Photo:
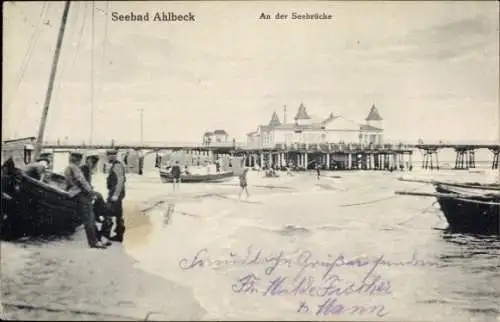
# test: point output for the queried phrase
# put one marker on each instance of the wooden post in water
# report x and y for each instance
(494, 164)
(41, 129)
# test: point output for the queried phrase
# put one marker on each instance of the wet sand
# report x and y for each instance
(64, 279)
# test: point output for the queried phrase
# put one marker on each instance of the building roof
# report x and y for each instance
(221, 132)
(373, 115)
(208, 133)
(30, 138)
(302, 113)
(317, 123)
(275, 120)
(366, 127)
(295, 127)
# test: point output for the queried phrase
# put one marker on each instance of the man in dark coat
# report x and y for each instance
(79, 188)
(99, 205)
(116, 193)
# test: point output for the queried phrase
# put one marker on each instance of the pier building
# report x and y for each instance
(307, 129)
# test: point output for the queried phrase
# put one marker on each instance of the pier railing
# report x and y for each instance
(143, 145)
(340, 147)
(300, 146)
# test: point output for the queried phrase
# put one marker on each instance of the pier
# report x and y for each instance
(329, 156)
(302, 156)
(465, 154)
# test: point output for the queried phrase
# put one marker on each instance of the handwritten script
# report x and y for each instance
(318, 277)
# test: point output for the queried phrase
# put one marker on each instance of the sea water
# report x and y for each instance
(274, 255)
(446, 276)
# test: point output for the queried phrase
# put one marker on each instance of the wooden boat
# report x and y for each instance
(31, 207)
(473, 213)
(467, 185)
(468, 207)
(166, 177)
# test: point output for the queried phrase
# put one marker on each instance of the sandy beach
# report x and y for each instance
(152, 273)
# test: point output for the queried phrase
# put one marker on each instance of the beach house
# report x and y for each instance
(216, 137)
(306, 129)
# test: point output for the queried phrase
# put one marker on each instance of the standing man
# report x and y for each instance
(89, 165)
(79, 188)
(98, 204)
(141, 164)
(116, 193)
(176, 174)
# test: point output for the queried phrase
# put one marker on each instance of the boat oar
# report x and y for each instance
(416, 180)
(462, 197)
(429, 194)
(494, 187)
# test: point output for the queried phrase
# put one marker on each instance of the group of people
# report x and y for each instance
(91, 205)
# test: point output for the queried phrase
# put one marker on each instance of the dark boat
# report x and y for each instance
(468, 185)
(470, 212)
(31, 208)
(471, 185)
(166, 177)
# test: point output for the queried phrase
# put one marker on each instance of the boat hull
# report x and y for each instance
(195, 178)
(31, 208)
(472, 185)
(474, 214)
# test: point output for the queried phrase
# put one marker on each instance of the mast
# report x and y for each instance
(41, 129)
(141, 111)
(91, 141)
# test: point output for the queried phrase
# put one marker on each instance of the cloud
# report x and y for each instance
(468, 38)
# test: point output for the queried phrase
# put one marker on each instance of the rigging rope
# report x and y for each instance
(372, 201)
(82, 29)
(28, 55)
(105, 33)
(422, 211)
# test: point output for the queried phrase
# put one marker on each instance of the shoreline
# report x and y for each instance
(138, 278)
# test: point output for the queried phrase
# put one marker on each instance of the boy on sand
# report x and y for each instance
(176, 174)
(318, 170)
(243, 183)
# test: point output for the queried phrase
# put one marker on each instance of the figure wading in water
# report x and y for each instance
(244, 184)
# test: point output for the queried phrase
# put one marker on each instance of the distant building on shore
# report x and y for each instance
(215, 137)
(19, 149)
(310, 130)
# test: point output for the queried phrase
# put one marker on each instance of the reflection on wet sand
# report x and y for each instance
(138, 225)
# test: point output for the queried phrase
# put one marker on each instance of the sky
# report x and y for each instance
(431, 68)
